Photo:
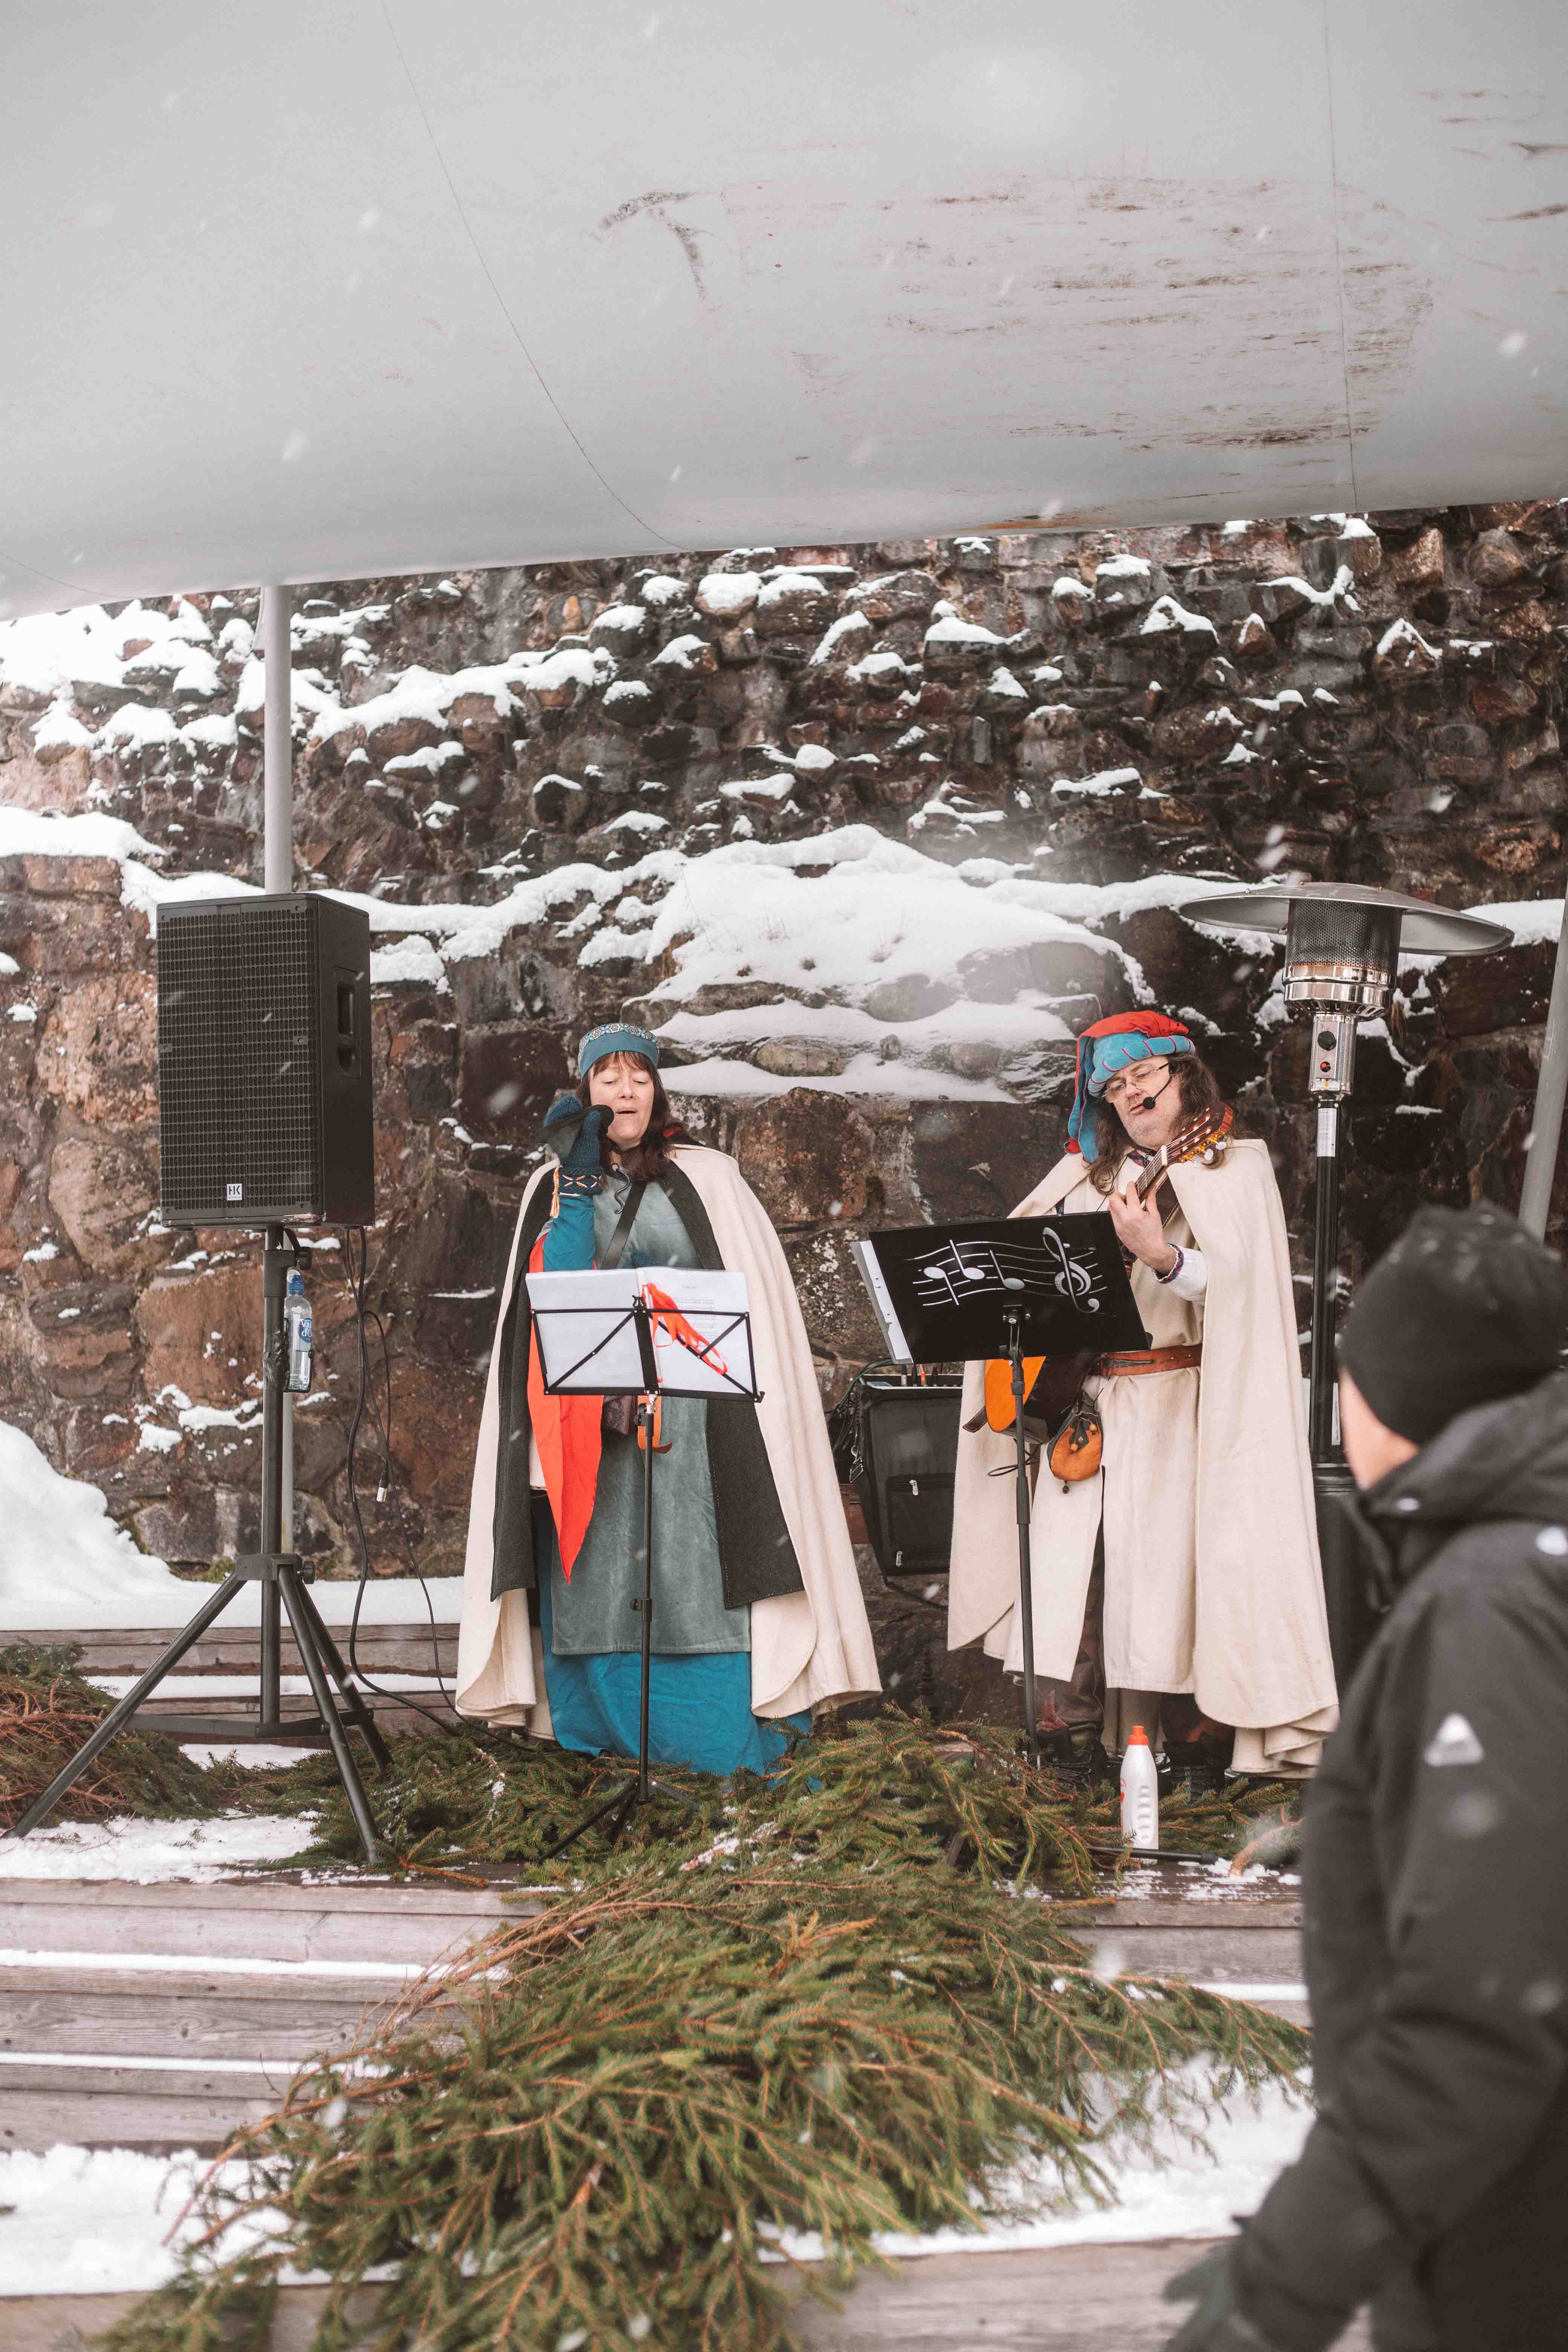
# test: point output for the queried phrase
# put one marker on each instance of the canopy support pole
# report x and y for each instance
(1551, 1090)
(278, 757)
(278, 875)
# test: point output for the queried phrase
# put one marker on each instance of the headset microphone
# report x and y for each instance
(1150, 1100)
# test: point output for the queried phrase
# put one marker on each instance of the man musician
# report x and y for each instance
(1178, 1587)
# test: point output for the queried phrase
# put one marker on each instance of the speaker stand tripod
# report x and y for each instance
(285, 1580)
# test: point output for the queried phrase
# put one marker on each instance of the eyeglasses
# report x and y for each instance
(1134, 1080)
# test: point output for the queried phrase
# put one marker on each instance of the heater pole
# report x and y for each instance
(1551, 1090)
(1325, 1287)
(1330, 1076)
(1351, 1621)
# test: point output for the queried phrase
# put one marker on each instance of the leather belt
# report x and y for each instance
(1148, 1360)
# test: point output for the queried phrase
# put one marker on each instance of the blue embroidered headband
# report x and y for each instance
(616, 1038)
(1103, 1050)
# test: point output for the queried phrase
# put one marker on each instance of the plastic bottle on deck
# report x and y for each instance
(1140, 1794)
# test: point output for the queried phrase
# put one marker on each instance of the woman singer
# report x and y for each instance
(757, 1611)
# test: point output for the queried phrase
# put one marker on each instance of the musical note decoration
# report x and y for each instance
(973, 1270)
(1076, 1280)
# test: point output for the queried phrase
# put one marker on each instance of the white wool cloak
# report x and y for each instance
(807, 1647)
(1259, 1655)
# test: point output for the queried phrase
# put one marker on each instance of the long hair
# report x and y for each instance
(649, 1158)
(1200, 1092)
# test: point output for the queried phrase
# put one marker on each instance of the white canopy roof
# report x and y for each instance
(314, 290)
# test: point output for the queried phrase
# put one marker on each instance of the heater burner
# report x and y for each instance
(1343, 956)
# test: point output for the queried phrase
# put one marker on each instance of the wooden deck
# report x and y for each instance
(1069, 2299)
(116, 1656)
(160, 2017)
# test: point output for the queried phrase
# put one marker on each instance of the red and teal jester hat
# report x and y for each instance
(1113, 1044)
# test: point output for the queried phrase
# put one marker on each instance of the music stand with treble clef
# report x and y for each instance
(1047, 1286)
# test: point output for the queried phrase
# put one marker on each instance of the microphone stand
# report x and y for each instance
(1023, 1502)
(644, 1788)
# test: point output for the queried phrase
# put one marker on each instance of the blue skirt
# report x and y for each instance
(700, 1708)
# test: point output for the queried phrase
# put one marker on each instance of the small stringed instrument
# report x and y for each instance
(1051, 1383)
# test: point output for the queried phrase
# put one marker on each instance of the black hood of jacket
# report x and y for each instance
(1508, 1460)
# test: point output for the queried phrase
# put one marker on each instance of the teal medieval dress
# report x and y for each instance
(700, 1689)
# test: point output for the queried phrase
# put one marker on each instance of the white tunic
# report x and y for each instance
(1212, 1583)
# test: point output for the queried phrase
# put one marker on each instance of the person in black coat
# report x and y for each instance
(1434, 2183)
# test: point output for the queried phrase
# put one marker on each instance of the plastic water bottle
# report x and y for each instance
(1140, 1794)
(300, 1331)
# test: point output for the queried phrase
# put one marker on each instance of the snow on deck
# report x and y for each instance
(1169, 2189)
(130, 1852)
(83, 2221)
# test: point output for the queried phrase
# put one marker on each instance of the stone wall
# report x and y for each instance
(1376, 700)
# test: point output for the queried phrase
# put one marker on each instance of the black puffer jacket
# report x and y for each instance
(1436, 1903)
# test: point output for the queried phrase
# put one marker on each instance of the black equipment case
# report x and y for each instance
(895, 1440)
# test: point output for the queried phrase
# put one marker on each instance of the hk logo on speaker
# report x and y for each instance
(234, 1192)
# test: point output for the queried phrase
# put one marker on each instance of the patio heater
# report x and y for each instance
(1342, 946)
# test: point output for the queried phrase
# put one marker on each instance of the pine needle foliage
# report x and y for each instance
(890, 1783)
(841, 2009)
(46, 1711)
(893, 1781)
(836, 2002)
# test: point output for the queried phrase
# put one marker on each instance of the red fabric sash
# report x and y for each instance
(568, 1432)
(667, 1319)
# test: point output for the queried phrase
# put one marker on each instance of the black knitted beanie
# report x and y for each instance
(1465, 1307)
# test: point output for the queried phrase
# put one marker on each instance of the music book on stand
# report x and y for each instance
(941, 1292)
(681, 1330)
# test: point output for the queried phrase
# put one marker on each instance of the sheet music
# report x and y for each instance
(955, 1291)
(963, 1272)
(582, 1328)
(588, 1343)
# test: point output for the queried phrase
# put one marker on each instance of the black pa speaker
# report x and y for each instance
(900, 1453)
(264, 1081)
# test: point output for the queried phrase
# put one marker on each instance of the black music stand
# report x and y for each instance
(1045, 1286)
(285, 1581)
(605, 1335)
